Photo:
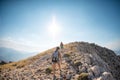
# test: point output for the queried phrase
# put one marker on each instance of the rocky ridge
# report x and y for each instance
(98, 63)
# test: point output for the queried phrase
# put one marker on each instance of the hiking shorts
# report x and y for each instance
(55, 62)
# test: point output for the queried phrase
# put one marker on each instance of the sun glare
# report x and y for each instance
(54, 28)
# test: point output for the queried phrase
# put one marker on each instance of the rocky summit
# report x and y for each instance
(80, 61)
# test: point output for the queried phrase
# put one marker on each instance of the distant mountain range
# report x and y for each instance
(8, 54)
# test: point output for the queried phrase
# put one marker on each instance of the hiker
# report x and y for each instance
(61, 45)
(56, 59)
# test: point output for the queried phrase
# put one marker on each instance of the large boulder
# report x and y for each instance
(96, 70)
(107, 76)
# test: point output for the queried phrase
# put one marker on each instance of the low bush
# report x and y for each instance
(48, 70)
(66, 55)
(83, 76)
(77, 63)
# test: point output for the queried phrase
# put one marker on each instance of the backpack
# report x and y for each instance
(55, 57)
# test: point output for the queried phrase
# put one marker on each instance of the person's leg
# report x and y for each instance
(59, 65)
(53, 67)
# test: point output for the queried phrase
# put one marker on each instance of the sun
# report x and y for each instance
(54, 28)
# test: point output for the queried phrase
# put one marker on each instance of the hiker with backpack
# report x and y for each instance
(61, 48)
(61, 45)
(56, 59)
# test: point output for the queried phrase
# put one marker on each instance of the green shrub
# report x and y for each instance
(77, 63)
(48, 70)
(14, 64)
(66, 55)
(83, 76)
(20, 66)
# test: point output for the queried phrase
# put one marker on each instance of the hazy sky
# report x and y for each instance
(37, 25)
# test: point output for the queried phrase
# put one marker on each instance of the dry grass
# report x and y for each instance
(25, 62)
(14, 65)
(30, 60)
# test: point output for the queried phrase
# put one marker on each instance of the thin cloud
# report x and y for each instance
(20, 45)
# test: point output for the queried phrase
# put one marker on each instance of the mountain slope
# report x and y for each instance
(79, 58)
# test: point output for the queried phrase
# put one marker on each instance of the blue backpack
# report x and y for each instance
(55, 57)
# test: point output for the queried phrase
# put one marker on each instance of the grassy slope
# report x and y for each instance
(25, 62)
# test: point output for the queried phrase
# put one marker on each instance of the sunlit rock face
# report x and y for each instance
(78, 59)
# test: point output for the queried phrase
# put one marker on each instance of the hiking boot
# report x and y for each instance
(54, 77)
(60, 72)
